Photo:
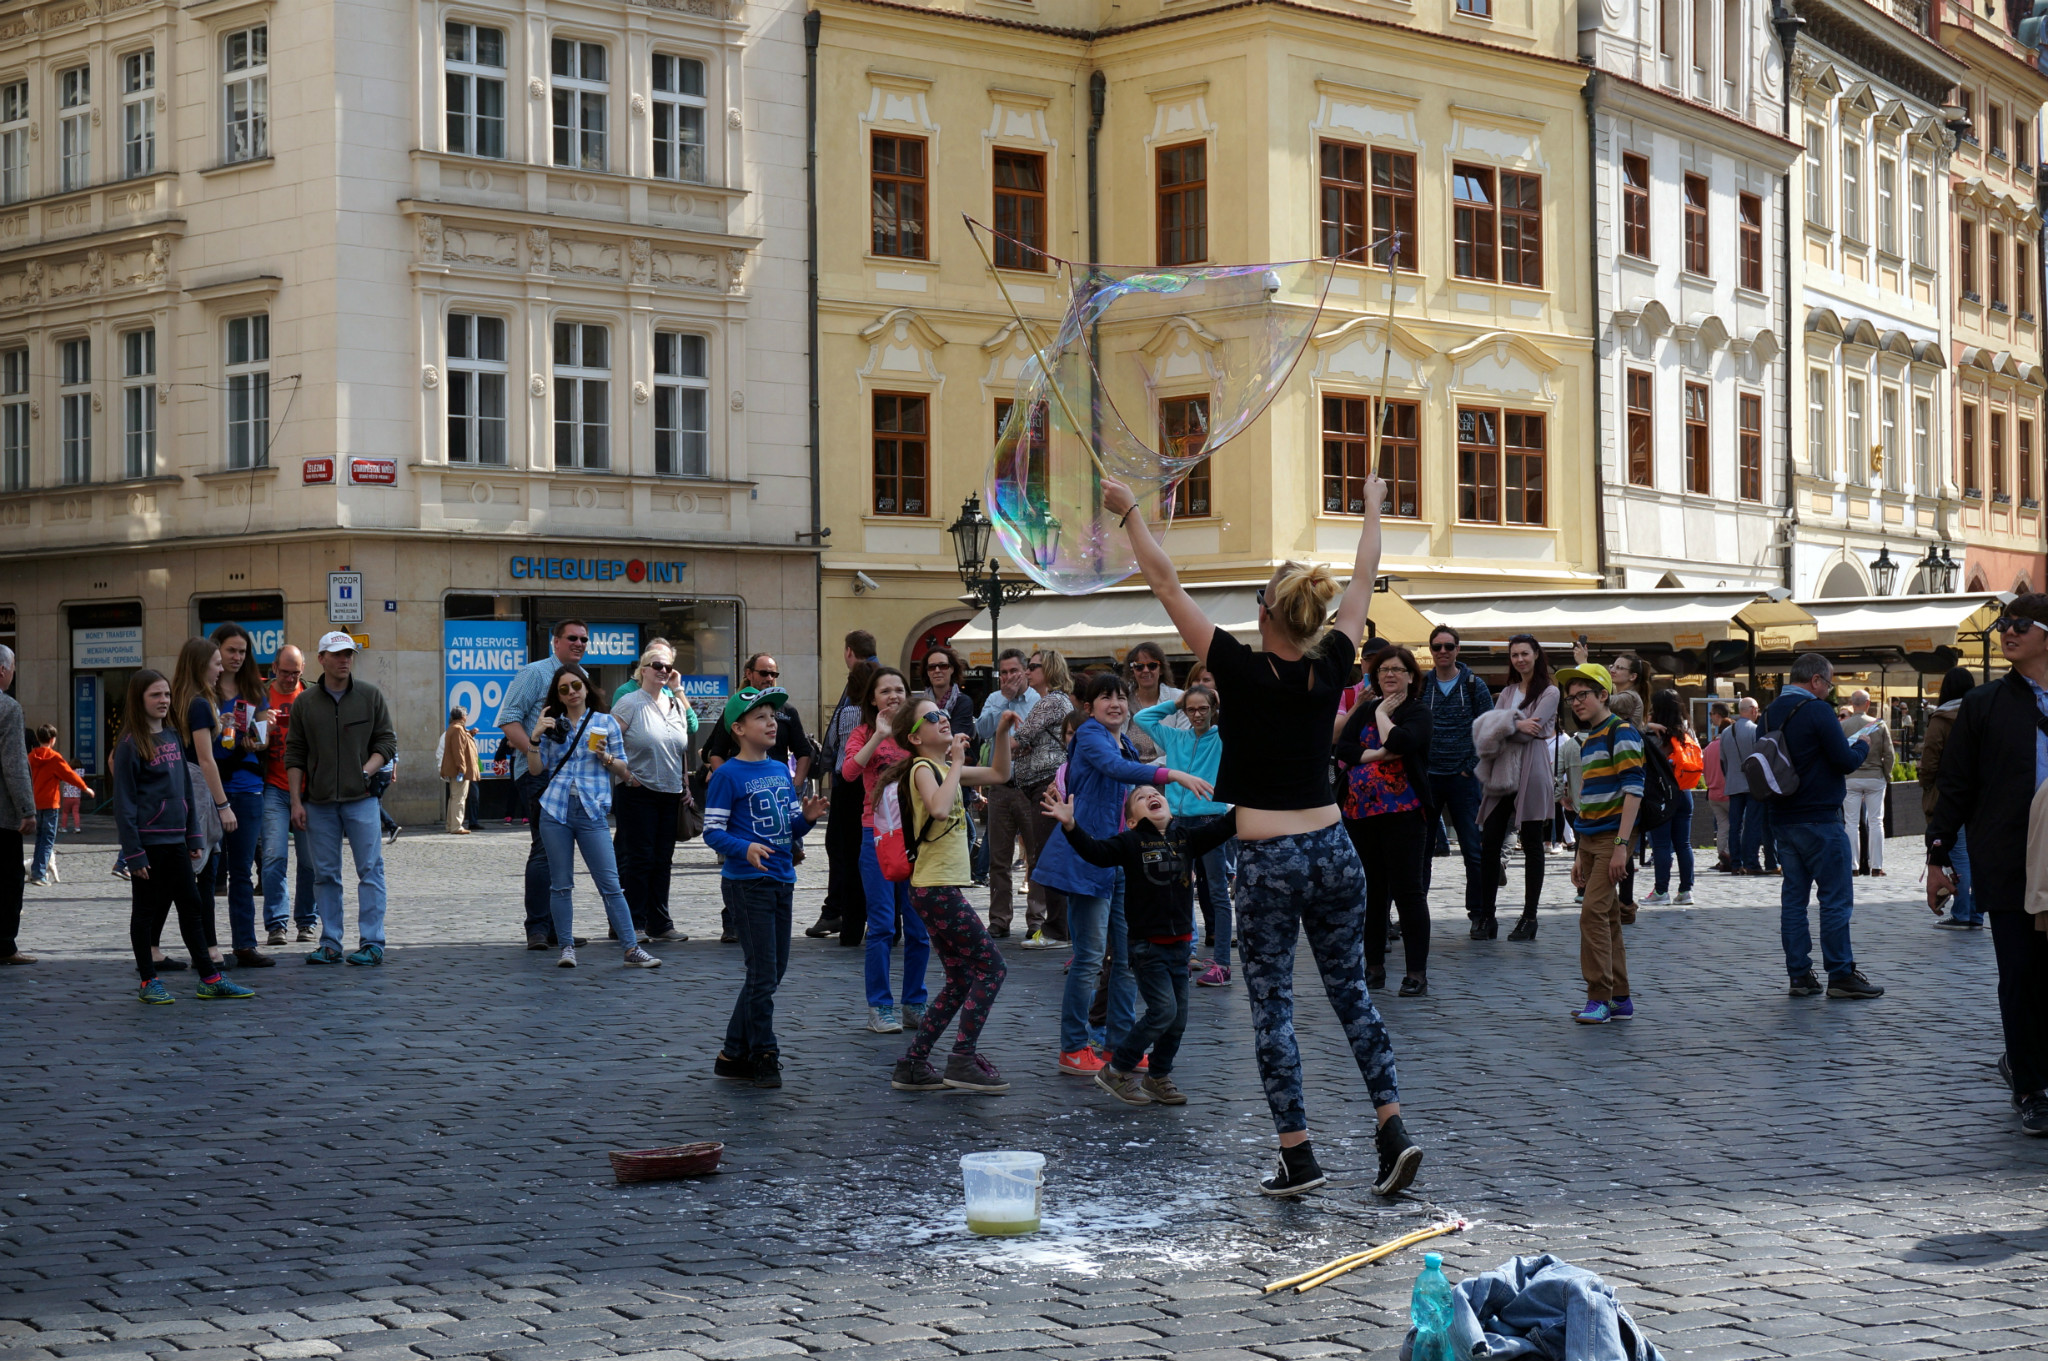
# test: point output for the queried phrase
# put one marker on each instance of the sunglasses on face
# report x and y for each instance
(1036, 666)
(570, 688)
(2013, 624)
(1443, 647)
(660, 666)
(938, 666)
(1144, 666)
(577, 642)
(768, 675)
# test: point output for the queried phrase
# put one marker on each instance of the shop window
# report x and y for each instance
(897, 195)
(580, 87)
(74, 374)
(1183, 431)
(1347, 453)
(1642, 439)
(1696, 196)
(1699, 466)
(138, 404)
(14, 139)
(1020, 209)
(245, 95)
(14, 469)
(902, 453)
(138, 113)
(1183, 203)
(473, 58)
(74, 128)
(1749, 462)
(477, 377)
(248, 391)
(1635, 206)
(679, 105)
(682, 404)
(583, 396)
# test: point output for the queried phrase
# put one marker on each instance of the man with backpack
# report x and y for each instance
(1797, 768)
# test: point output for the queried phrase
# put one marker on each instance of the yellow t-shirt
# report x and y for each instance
(942, 856)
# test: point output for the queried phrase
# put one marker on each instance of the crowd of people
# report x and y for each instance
(1168, 837)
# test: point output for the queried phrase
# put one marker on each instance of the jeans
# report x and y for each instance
(1963, 907)
(150, 902)
(46, 842)
(1750, 829)
(1094, 923)
(280, 843)
(1286, 885)
(235, 860)
(974, 971)
(326, 825)
(587, 831)
(538, 921)
(1391, 850)
(2022, 952)
(1212, 887)
(1817, 855)
(1674, 838)
(889, 907)
(1162, 978)
(1865, 807)
(1458, 798)
(760, 911)
(646, 849)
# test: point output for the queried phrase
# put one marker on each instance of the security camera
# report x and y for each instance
(863, 583)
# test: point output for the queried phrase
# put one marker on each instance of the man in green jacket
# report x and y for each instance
(339, 738)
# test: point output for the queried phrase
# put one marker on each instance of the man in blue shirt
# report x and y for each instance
(1009, 812)
(1454, 698)
(516, 717)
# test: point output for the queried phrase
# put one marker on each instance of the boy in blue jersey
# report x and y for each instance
(752, 818)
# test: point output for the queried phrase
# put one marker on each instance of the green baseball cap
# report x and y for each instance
(750, 699)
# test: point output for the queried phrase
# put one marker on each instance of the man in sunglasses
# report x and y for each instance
(792, 745)
(1454, 698)
(516, 717)
(1995, 760)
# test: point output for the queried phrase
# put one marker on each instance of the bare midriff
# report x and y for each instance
(1264, 824)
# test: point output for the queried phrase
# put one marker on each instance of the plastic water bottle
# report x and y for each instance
(1430, 1309)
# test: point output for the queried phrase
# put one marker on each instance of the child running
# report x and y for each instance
(1158, 854)
(930, 794)
(161, 841)
(753, 819)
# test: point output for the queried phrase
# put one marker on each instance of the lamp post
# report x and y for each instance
(1884, 571)
(1949, 568)
(981, 574)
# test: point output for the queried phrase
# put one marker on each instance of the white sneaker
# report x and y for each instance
(568, 959)
(1656, 900)
(884, 1021)
(1682, 900)
(637, 958)
(55, 877)
(1037, 941)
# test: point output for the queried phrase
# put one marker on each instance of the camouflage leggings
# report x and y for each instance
(1311, 882)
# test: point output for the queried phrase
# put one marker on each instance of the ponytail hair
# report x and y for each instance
(1298, 601)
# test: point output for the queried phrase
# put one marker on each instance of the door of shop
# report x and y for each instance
(106, 649)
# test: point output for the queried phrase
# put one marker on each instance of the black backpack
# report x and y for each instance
(1660, 789)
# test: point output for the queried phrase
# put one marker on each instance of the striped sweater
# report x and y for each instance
(1611, 768)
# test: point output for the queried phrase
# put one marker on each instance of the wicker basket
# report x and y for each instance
(666, 1164)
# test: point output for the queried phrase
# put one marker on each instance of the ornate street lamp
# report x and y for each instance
(1930, 569)
(1884, 571)
(980, 573)
(1949, 568)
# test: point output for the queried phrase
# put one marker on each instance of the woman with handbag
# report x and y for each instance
(657, 727)
(580, 751)
(1382, 752)
(1520, 788)
(870, 749)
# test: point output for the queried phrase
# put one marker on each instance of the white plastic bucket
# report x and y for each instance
(1003, 1191)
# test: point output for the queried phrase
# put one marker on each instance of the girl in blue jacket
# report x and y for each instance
(1198, 749)
(1102, 768)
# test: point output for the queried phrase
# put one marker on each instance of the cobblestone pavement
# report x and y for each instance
(410, 1162)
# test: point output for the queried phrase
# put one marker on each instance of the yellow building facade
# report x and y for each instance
(1223, 135)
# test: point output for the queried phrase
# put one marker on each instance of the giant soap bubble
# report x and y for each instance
(1151, 371)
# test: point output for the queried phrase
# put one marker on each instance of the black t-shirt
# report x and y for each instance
(1276, 719)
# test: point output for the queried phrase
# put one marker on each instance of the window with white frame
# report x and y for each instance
(1854, 450)
(1819, 446)
(682, 404)
(13, 141)
(13, 419)
(583, 395)
(1888, 437)
(1852, 191)
(1923, 246)
(1887, 205)
(74, 419)
(138, 113)
(474, 61)
(1923, 445)
(476, 389)
(678, 118)
(74, 128)
(248, 375)
(138, 404)
(1817, 174)
(245, 95)
(581, 93)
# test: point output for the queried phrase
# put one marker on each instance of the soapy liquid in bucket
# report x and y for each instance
(1000, 1228)
(1002, 1192)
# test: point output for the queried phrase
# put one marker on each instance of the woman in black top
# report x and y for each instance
(1297, 870)
(1383, 758)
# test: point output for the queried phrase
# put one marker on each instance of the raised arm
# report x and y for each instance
(1196, 628)
(1353, 605)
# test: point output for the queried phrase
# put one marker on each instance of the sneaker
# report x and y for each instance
(1037, 941)
(1162, 1090)
(155, 993)
(1411, 986)
(172, 964)
(637, 958)
(1806, 985)
(307, 933)
(220, 990)
(884, 1021)
(1579, 897)
(121, 872)
(973, 1073)
(673, 936)
(1218, 976)
(1594, 1013)
(1951, 923)
(1128, 1088)
(326, 954)
(768, 1069)
(1400, 1156)
(276, 937)
(1297, 1173)
(2034, 1115)
(824, 926)
(1084, 1062)
(916, 1075)
(1656, 900)
(1622, 1009)
(913, 1015)
(568, 958)
(538, 942)
(1853, 986)
(1682, 898)
(728, 1067)
(39, 882)
(371, 955)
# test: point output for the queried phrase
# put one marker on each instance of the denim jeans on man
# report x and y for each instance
(761, 916)
(237, 857)
(1212, 889)
(1458, 798)
(527, 789)
(1749, 831)
(1674, 838)
(46, 842)
(1963, 907)
(1161, 973)
(1816, 854)
(1094, 922)
(326, 826)
(280, 844)
(588, 832)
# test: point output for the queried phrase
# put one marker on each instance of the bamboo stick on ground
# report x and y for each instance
(1337, 1266)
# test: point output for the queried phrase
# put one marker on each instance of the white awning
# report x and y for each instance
(1912, 623)
(1663, 619)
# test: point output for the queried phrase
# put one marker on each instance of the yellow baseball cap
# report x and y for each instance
(1592, 673)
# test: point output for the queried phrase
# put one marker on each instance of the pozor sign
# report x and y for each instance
(635, 570)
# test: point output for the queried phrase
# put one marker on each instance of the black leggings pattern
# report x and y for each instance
(1392, 847)
(1310, 882)
(150, 901)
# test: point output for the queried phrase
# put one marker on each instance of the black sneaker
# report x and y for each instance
(768, 1069)
(1806, 985)
(725, 1067)
(1854, 986)
(538, 943)
(2034, 1115)
(1400, 1156)
(823, 927)
(1297, 1173)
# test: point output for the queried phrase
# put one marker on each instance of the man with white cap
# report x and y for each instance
(340, 736)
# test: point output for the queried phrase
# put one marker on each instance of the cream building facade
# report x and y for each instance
(1227, 135)
(483, 304)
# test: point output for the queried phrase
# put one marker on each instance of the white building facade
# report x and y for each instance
(499, 307)
(1687, 108)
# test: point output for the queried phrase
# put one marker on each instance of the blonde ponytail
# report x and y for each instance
(1298, 599)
